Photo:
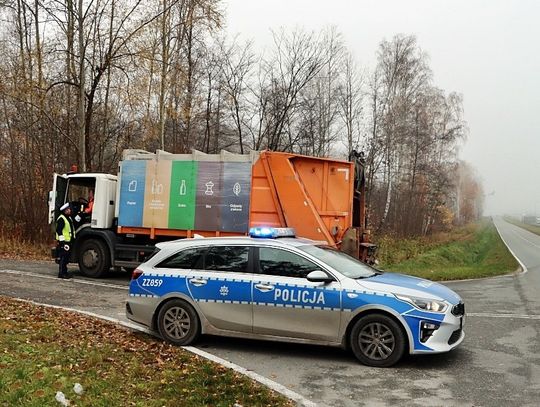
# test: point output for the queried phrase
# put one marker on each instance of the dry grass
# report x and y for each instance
(11, 248)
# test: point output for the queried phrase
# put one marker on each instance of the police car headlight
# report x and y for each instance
(424, 304)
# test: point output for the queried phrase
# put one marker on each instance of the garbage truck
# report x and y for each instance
(162, 196)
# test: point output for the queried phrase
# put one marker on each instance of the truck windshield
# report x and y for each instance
(345, 264)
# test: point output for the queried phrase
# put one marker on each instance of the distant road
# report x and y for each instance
(524, 297)
(525, 244)
(497, 365)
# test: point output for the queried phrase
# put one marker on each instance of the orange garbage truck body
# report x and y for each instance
(163, 196)
(312, 195)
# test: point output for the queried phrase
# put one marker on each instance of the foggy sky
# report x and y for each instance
(489, 51)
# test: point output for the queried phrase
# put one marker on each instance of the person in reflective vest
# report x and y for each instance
(65, 235)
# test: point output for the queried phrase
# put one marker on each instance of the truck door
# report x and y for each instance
(57, 197)
(104, 203)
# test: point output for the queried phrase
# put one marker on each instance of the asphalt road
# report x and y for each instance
(498, 364)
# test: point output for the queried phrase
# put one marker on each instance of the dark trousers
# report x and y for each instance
(63, 256)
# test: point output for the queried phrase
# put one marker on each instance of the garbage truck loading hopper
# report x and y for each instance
(312, 195)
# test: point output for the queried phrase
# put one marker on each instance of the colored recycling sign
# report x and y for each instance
(188, 195)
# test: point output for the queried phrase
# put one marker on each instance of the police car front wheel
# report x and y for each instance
(178, 323)
(377, 340)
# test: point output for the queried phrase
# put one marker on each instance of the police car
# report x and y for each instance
(291, 289)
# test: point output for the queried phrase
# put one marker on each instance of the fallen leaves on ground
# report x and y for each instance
(45, 350)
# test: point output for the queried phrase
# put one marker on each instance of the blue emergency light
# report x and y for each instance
(271, 233)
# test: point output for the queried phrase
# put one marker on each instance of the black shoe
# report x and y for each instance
(66, 276)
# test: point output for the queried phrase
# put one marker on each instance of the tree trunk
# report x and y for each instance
(82, 83)
(164, 68)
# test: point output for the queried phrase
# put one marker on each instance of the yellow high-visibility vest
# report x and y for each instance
(68, 232)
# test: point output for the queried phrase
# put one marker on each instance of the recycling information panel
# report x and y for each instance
(187, 195)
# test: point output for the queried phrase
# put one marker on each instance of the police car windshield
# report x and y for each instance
(345, 264)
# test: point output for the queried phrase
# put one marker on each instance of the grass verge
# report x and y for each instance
(472, 251)
(44, 350)
(14, 248)
(531, 228)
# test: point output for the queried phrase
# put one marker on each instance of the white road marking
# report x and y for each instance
(279, 388)
(510, 250)
(73, 280)
(511, 316)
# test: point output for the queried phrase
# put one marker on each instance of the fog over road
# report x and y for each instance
(498, 364)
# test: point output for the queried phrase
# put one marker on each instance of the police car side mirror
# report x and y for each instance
(319, 276)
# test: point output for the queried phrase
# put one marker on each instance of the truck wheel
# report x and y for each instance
(94, 258)
(178, 323)
(377, 340)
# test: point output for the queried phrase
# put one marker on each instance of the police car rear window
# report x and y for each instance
(216, 258)
(156, 251)
(227, 258)
(185, 259)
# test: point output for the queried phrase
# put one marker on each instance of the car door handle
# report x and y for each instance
(264, 287)
(198, 282)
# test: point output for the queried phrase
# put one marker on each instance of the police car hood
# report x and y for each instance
(413, 286)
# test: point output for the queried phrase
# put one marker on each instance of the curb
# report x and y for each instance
(278, 388)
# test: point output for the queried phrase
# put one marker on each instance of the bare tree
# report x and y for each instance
(320, 100)
(403, 73)
(297, 59)
(236, 68)
(350, 103)
(81, 80)
(414, 129)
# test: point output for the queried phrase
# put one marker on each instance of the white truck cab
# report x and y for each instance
(97, 247)
(74, 188)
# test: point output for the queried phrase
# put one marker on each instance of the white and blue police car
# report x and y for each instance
(294, 290)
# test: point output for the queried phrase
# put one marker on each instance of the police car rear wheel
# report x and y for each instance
(178, 323)
(377, 340)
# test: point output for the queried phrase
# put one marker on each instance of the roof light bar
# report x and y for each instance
(271, 233)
